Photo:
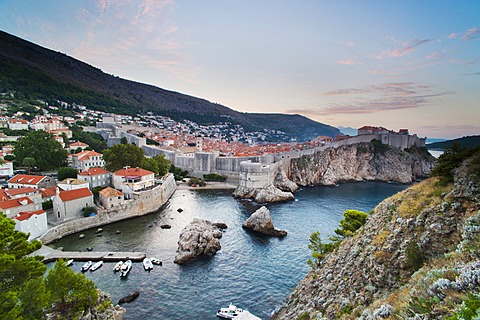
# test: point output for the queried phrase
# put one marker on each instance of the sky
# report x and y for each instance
(397, 64)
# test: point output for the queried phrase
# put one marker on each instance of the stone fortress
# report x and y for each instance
(252, 171)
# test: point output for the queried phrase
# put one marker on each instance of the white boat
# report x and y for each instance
(156, 261)
(232, 312)
(147, 264)
(86, 266)
(126, 267)
(69, 262)
(118, 266)
(96, 265)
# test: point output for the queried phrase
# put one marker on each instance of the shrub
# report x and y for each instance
(196, 182)
(87, 211)
(378, 146)
(414, 256)
(214, 177)
(47, 205)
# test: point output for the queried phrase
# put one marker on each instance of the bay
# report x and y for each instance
(252, 271)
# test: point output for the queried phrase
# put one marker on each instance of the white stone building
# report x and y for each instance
(69, 204)
(110, 198)
(87, 159)
(131, 180)
(96, 177)
(32, 222)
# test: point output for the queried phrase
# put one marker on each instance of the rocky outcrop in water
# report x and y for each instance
(260, 221)
(417, 257)
(200, 237)
(104, 310)
(361, 161)
(269, 194)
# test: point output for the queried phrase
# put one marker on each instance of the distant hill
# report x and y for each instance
(348, 131)
(466, 142)
(34, 72)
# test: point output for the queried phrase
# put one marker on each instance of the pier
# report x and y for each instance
(50, 255)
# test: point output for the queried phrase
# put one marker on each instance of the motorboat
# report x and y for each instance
(69, 262)
(156, 261)
(147, 264)
(86, 266)
(118, 266)
(232, 312)
(96, 265)
(126, 267)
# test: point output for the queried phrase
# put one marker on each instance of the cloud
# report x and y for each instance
(347, 62)
(376, 98)
(471, 34)
(404, 50)
(452, 35)
(472, 74)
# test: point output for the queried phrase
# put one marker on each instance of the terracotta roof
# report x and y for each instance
(75, 194)
(3, 195)
(78, 144)
(86, 155)
(28, 214)
(110, 192)
(12, 203)
(72, 181)
(48, 192)
(134, 172)
(17, 191)
(26, 179)
(93, 172)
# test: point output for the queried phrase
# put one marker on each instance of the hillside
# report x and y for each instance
(466, 142)
(417, 257)
(34, 72)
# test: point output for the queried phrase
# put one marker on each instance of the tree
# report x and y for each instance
(163, 164)
(66, 172)
(352, 221)
(29, 162)
(69, 293)
(121, 155)
(41, 146)
(150, 164)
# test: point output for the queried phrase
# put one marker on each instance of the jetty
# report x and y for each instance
(51, 254)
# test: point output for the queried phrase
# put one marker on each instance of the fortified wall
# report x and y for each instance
(256, 175)
(143, 202)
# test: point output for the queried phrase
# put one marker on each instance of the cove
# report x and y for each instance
(252, 271)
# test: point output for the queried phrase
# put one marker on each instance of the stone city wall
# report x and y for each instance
(143, 203)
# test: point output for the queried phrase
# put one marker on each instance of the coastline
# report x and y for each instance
(211, 185)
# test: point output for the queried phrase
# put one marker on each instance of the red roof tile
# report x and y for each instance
(26, 179)
(17, 191)
(93, 172)
(48, 192)
(75, 194)
(132, 172)
(12, 203)
(28, 214)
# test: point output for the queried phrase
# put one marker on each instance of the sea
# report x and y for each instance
(251, 271)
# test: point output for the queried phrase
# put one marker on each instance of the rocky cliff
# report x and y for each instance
(362, 161)
(417, 257)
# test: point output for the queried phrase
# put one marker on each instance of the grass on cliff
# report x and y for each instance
(425, 194)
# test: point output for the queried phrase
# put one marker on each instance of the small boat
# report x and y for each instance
(96, 265)
(126, 267)
(156, 261)
(147, 264)
(69, 262)
(118, 266)
(86, 266)
(232, 312)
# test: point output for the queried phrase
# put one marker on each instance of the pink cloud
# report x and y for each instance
(406, 49)
(471, 34)
(452, 35)
(347, 62)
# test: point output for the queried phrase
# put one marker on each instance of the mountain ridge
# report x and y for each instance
(72, 80)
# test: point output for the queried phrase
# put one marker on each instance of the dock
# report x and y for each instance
(53, 255)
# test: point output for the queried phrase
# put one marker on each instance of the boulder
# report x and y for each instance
(263, 195)
(283, 183)
(260, 221)
(220, 225)
(200, 237)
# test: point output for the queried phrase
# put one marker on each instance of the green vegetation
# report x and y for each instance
(470, 309)
(352, 221)
(196, 182)
(87, 211)
(178, 173)
(452, 158)
(121, 155)
(379, 147)
(47, 153)
(214, 177)
(414, 256)
(66, 172)
(94, 140)
(47, 205)
(464, 142)
(24, 291)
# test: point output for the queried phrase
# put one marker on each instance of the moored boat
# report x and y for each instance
(147, 264)
(96, 265)
(118, 266)
(86, 266)
(156, 261)
(126, 267)
(232, 312)
(69, 262)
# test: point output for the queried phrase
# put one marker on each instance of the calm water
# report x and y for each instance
(251, 271)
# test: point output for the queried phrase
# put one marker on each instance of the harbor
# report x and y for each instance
(51, 255)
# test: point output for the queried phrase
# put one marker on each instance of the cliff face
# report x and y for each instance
(417, 257)
(362, 161)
